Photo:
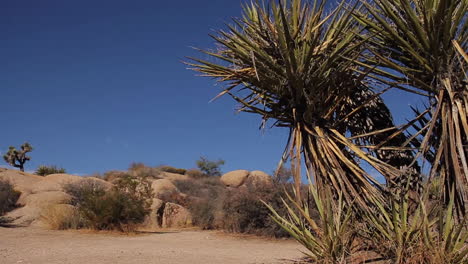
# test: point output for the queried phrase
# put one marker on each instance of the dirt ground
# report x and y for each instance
(34, 245)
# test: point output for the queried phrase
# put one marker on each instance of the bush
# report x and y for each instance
(140, 170)
(173, 170)
(244, 211)
(8, 197)
(239, 210)
(282, 176)
(196, 174)
(210, 168)
(62, 216)
(44, 170)
(121, 208)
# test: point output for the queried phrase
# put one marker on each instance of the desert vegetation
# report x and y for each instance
(210, 167)
(320, 69)
(322, 74)
(238, 210)
(45, 170)
(121, 208)
(17, 158)
(8, 197)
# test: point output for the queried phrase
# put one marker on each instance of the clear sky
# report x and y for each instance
(96, 85)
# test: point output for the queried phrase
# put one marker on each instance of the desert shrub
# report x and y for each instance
(209, 167)
(244, 211)
(110, 176)
(62, 216)
(207, 195)
(238, 210)
(8, 197)
(172, 170)
(282, 175)
(140, 170)
(196, 174)
(121, 208)
(45, 170)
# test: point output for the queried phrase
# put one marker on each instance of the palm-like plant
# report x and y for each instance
(329, 239)
(295, 64)
(412, 47)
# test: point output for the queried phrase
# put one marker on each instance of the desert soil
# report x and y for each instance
(33, 245)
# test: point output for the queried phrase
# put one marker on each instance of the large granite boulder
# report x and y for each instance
(155, 217)
(176, 216)
(235, 178)
(163, 188)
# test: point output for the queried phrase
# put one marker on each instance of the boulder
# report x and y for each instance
(154, 219)
(173, 176)
(21, 181)
(234, 178)
(176, 216)
(46, 199)
(105, 184)
(163, 187)
(258, 179)
(55, 182)
(24, 216)
(34, 204)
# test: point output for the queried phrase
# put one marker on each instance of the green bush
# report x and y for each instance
(8, 197)
(121, 208)
(45, 170)
(209, 167)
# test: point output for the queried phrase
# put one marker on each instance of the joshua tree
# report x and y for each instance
(17, 158)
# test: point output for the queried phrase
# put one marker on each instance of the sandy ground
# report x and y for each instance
(35, 245)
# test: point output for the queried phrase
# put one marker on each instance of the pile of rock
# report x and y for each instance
(40, 193)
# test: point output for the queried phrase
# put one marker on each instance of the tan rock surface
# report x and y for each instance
(235, 178)
(154, 219)
(55, 182)
(173, 176)
(46, 199)
(22, 181)
(176, 216)
(163, 187)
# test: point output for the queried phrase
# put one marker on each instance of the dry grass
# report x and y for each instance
(61, 217)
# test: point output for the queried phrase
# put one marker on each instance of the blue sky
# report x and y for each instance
(96, 85)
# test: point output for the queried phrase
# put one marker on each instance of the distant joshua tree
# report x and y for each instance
(17, 158)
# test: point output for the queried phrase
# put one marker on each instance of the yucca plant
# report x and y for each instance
(330, 238)
(411, 46)
(446, 238)
(393, 231)
(296, 64)
(430, 234)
